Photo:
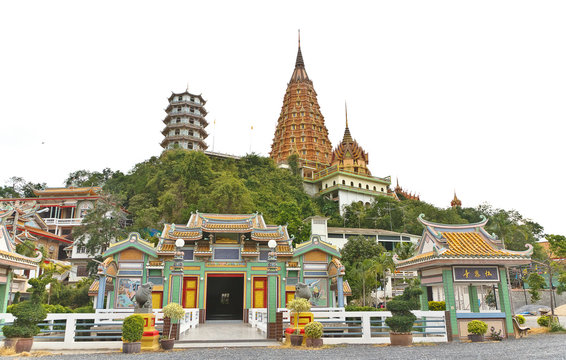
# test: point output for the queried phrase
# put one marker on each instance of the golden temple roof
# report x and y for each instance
(469, 244)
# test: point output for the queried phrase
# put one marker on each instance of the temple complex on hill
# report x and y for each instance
(185, 122)
(402, 194)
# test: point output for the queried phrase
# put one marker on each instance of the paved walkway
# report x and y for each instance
(221, 330)
(532, 347)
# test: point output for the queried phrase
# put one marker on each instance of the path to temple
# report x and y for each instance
(532, 347)
(221, 333)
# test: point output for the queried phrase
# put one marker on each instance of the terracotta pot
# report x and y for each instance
(475, 337)
(314, 342)
(10, 342)
(24, 344)
(296, 340)
(401, 339)
(131, 348)
(167, 344)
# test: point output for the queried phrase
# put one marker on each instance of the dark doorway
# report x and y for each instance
(225, 297)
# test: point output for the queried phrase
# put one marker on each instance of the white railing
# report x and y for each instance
(63, 222)
(89, 331)
(363, 327)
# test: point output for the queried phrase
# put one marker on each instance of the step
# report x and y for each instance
(182, 344)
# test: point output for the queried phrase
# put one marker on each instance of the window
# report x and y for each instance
(263, 255)
(304, 152)
(292, 127)
(191, 133)
(374, 189)
(360, 185)
(302, 114)
(302, 139)
(82, 270)
(192, 121)
(294, 114)
(326, 186)
(178, 120)
(323, 142)
(292, 140)
(180, 98)
(298, 91)
(382, 189)
(226, 254)
(367, 187)
(190, 146)
(334, 183)
(192, 99)
(179, 109)
(81, 249)
(302, 125)
(351, 183)
(192, 109)
(314, 139)
(343, 182)
(177, 132)
(188, 254)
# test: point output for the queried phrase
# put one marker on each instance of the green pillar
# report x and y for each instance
(449, 299)
(424, 298)
(5, 292)
(473, 293)
(504, 300)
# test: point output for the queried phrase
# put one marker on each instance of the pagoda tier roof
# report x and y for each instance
(199, 223)
(186, 93)
(8, 255)
(195, 127)
(69, 191)
(316, 243)
(452, 244)
(134, 240)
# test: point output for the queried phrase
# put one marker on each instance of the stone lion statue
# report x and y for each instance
(143, 298)
(302, 291)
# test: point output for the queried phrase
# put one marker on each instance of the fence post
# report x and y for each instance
(366, 326)
(70, 328)
(448, 326)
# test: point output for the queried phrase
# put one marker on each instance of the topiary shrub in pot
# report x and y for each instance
(313, 332)
(298, 306)
(132, 333)
(174, 312)
(402, 319)
(476, 330)
(28, 314)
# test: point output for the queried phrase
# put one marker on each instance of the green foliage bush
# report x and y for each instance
(314, 330)
(56, 309)
(520, 319)
(437, 305)
(28, 314)
(173, 311)
(477, 327)
(556, 327)
(543, 320)
(299, 305)
(403, 319)
(132, 328)
(85, 309)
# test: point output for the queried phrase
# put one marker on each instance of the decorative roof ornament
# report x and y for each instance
(455, 201)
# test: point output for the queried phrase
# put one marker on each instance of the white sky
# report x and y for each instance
(442, 94)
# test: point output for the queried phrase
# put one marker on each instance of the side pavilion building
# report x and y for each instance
(218, 263)
(466, 267)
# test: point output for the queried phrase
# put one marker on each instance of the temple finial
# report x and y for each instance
(299, 38)
(346, 109)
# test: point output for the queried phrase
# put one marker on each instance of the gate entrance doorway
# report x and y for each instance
(225, 297)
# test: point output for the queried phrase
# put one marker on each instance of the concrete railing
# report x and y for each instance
(63, 222)
(363, 327)
(101, 330)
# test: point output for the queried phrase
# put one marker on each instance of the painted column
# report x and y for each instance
(5, 292)
(424, 298)
(177, 279)
(473, 294)
(504, 300)
(101, 291)
(450, 299)
(272, 295)
(340, 290)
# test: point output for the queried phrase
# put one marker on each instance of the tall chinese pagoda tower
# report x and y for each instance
(300, 128)
(185, 122)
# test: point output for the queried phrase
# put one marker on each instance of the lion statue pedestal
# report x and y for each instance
(144, 308)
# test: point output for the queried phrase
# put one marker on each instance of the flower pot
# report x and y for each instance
(24, 344)
(401, 339)
(475, 337)
(314, 342)
(167, 344)
(10, 342)
(296, 340)
(131, 348)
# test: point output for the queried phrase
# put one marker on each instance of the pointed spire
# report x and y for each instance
(299, 74)
(299, 62)
(347, 136)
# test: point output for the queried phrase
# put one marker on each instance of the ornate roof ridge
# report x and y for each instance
(481, 223)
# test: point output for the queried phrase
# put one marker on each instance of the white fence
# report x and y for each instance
(101, 330)
(362, 327)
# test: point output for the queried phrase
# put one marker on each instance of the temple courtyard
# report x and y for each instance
(532, 347)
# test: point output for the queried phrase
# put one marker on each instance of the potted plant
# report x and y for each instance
(297, 306)
(476, 329)
(174, 312)
(402, 319)
(313, 332)
(20, 335)
(132, 333)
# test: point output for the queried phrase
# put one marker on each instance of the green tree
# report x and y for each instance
(557, 245)
(405, 250)
(536, 283)
(101, 226)
(228, 195)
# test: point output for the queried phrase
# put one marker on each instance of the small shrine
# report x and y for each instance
(466, 267)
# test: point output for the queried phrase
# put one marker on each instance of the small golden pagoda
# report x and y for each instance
(300, 128)
(349, 156)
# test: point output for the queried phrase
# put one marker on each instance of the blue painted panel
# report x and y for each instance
(490, 315)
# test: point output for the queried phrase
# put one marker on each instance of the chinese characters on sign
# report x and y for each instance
(475, 273)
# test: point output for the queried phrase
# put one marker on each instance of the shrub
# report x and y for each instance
(298, 305)
(403, 319)
(477, 327)
(543, 320)
(28, 314)
(556, 327)
(85, 309)
(437, 305)
(132, 328)
(173, 311)
(495, 335)
(314, 330)
(520, 319)
(56, 309)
